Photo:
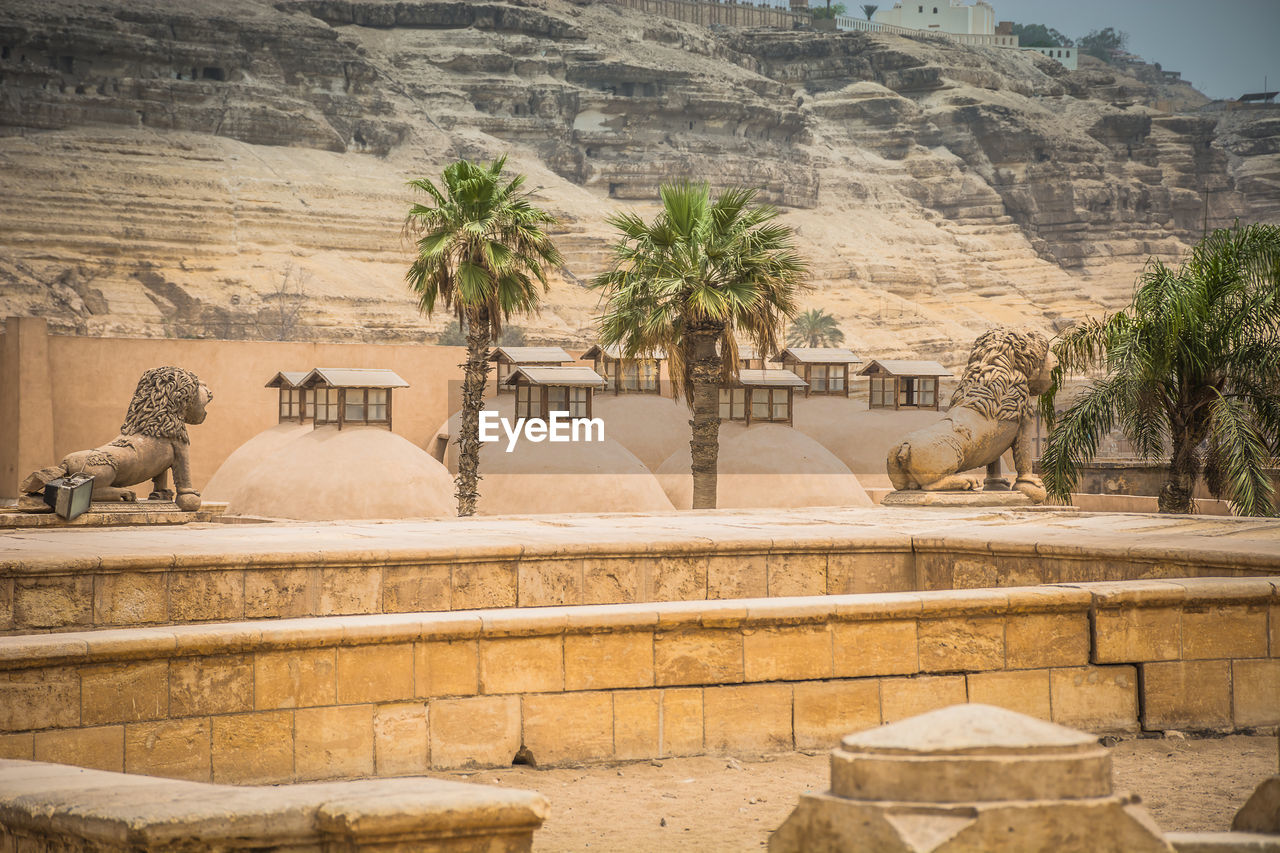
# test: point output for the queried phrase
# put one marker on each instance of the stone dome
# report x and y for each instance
(356, 472)
(767, 465)
(503, 404)
(650, 426)
(859, 437)
(237, 467)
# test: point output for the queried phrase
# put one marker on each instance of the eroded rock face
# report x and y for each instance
(165, 164)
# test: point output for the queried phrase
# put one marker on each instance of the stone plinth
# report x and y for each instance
(116, 514)
(51, 807)
(969, 777)
(919, 497)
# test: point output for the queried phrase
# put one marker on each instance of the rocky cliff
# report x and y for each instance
(238, 169)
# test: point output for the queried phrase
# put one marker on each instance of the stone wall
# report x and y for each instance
(718, 14)
(343, 697)
(257, 572)
(1135, 477)
(70, 393)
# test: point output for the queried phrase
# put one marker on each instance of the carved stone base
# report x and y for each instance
(919, 497)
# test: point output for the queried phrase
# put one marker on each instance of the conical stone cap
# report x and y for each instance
(967, 754)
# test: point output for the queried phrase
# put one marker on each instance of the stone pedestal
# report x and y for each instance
(919, 497)
(964, 778)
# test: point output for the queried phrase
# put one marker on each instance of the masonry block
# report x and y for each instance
(1274, 621)
(1038, 640)
(1095, 698)
(870, 571)
(683, 721)
(800, 573)
(39, 699)
(549, 582)
(333, 743)
(637, 716)
(480, 585)
(98, 748)
(476, 731)
(522, 664)
(124, 693)
(786, 653)
(174, 749)
(737, 576)
(401, 739)
(1186, 695)
(875, 648)
(905, 697)
(281, 593)
(130, 598)
(748, 718)
(600, 661)
(415, 588)
(446, 668)
(826, 711)
(1255, 686)
(1227, 631)
(961, 643)
(681, 578)
(53, 602)
(1025, 691)
(974, 573)
(219, 684)
(253, 749)
(21, 747)
(611, 581)
(206, 596)
(698, 656)
(1132, 634)
(349, 589)
(377, 673)
(560, 727)
(294, 678)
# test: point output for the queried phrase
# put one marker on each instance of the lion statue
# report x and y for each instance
(152, 440)
(992, 410)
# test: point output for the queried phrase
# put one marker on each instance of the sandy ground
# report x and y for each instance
(729, 804)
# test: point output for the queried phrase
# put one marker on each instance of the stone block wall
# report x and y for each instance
(342, 697)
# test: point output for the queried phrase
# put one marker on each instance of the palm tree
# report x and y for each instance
(482, 251)
(1192, 370)
(815, 328)
(684, 284)
(869, 9)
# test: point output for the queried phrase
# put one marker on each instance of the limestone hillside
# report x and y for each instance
(237, 168)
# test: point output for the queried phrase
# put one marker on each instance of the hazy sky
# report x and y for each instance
(1222, 47)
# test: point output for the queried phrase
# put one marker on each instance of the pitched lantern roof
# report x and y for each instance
(530, 355)
(770, 379)
(614, 351)
(287, 379)
(353, 377)
(818, 355)
(898, 367)
(577, 376)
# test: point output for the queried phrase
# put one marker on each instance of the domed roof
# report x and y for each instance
(356, 472)
(583, 476)
(859, 437)
(650, 426)
(767, 465)
(247, 457)
(503, 404)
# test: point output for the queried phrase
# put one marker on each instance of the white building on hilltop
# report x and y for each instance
(947, 16)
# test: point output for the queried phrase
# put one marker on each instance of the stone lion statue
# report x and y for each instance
(992, 410)
(152, 440)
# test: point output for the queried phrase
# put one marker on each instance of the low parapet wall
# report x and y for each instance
(59, 581)
(49, 808)
(341, 697)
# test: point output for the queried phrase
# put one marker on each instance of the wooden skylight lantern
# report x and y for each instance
(507, 359)
(903, 384)
(826, 369)
(542, 390)
(352, 395)
(627, 375)
(760, 396)
(296, 403)
(749, 359)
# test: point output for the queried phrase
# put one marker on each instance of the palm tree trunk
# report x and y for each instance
(704, 443)
(1179, 488)
(475, 375)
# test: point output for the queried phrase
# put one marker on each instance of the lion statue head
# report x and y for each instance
(1007, 369)
(166, 400)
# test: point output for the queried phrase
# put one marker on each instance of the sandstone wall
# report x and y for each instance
(344, 697)
(718, 14)
(91, 381)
